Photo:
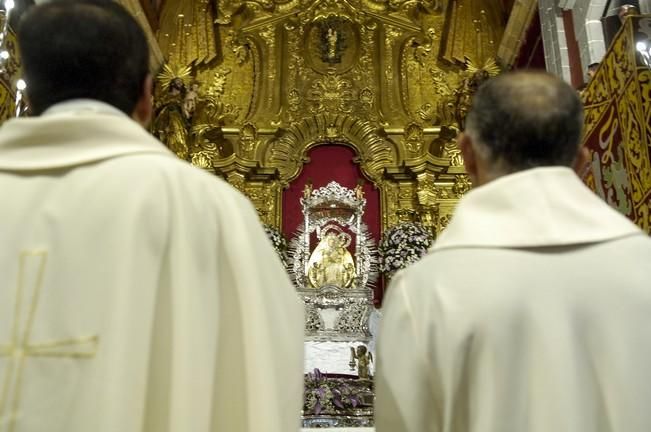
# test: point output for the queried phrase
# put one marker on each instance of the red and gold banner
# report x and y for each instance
(618, 125)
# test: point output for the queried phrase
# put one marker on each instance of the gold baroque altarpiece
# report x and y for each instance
(251, 86)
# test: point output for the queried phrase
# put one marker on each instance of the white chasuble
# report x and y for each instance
(531, 313)
(138, 293)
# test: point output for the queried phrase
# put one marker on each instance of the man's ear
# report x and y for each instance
(469, 157)
(144, 109)
(581, 161)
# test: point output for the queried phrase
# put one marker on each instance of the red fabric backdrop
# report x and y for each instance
(331, 162)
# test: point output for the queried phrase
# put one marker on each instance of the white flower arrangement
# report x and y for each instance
(403, 245)
(278, 242)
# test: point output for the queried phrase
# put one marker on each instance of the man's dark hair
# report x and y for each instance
(90, 49)
(525, 120)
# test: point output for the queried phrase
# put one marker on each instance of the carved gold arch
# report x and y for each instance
(287, 152)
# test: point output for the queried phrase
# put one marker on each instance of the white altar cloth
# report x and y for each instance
(331, 357)
(340, 430)
(334, 357)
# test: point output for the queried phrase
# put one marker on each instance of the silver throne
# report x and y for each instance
(334, 264)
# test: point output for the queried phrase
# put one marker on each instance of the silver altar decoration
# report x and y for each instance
(333, 312)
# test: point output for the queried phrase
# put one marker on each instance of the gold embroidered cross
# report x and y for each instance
(20, 347)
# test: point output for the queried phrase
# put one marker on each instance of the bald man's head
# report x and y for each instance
(523, 120)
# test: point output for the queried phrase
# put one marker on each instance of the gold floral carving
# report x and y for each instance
(331, 94)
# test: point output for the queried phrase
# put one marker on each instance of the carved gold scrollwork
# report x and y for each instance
(426, 190)
(248, 140)
(430, 6)
(423, 46)
(289, 75)
(294, 100)
(367, 98)
(286, 151)
(461, 185)
(413, 138)
(427, 195)
(238, 47)
(332, 94)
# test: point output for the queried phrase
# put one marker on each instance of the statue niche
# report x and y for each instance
(334, 264)
(331, 44)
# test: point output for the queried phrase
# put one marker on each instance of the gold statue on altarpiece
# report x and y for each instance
(171, 122)
(330, 262)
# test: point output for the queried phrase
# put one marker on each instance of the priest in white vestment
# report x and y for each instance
(138, 294)
(532, 312)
